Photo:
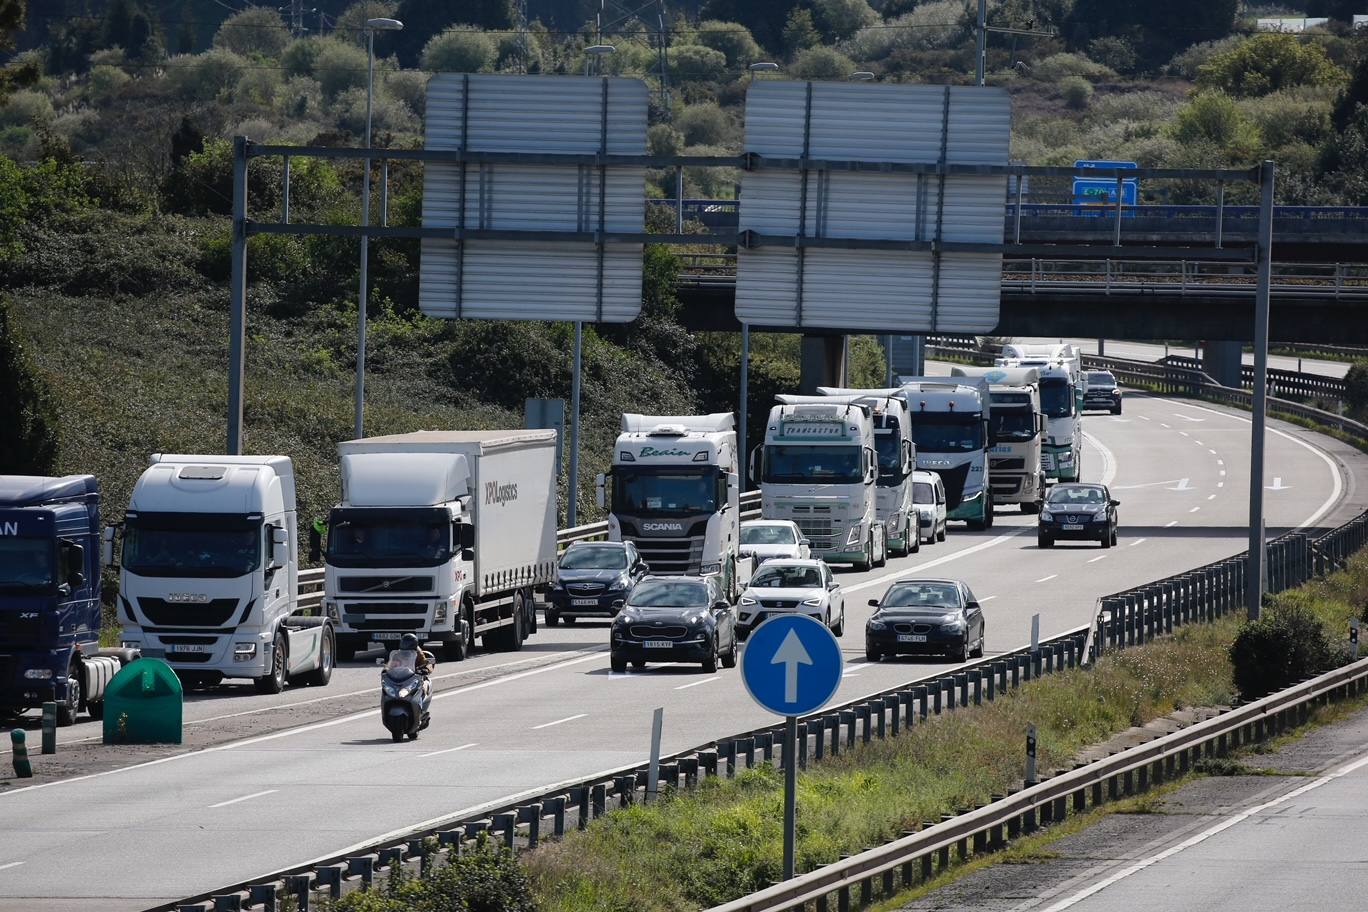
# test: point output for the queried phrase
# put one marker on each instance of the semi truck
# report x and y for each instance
(1016, 429)
(449, 535)
(1061, 399)
(50, 597)
(675, 493)
(949, 417)
(897, 458)
(818, 467)
(209, 572)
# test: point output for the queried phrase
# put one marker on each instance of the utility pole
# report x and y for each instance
(981, 34)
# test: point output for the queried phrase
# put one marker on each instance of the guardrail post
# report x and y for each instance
(977, 677)
(765, 742)
(849, 720)
(707, 761)
(880, 710)
(962, 682)
(598, 799)
(625, 786)
(936, 687)
(532, 816)
(726, 750)
(864, 718)
(329, 878)
(819, 742)
(1027, 663)
(892, 707)
(1015, 662)
(921, 691)
(949, 685)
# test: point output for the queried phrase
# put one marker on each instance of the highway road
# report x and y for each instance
(190, 822)
(1148, 351)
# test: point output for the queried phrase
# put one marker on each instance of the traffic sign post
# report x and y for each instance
(1353, 635)
(791, 666)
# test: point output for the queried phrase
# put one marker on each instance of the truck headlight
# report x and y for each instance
(244, 652)
(854, 535)
(330, 609)
(439, 615)
(714, 567)
(1066, 456)
(131, 644)
(38, 674)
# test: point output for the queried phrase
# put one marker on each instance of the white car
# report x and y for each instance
(791, 587)
(771, 538)
(928, 498)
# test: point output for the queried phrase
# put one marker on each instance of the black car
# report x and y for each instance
(922, 617)
(1101, 393)
(591, 579)
(675, 619)
(1078, 512)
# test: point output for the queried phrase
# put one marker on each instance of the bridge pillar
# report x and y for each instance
(909, 356)
(822, 363)
(1223, 361)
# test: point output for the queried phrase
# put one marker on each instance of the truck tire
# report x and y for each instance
(273, 682)
(863, 566)
(68, 708)
(454, 650)
(327, 648)
(530, 601)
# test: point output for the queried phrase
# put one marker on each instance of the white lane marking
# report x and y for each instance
(1232, 820)
(987, 598)
(1179, 484)
(1220, 462)
(1194, 509)
(1046, 579)
(697, 683)
(12, 864)
(900, 574)
(1184, 434)
(1143, 417)
(559, 721)
(449, 750)
(850, 674)
(1099, 557)
(1171, 525)
(1223, 475)
(1108, 459)
(1211, 451)
(1198, 442)
(1163, 424)
(223, 804)
(1138, 541)
(1278, 485)
(1220, 484)
(1187, 417)
(305, 729)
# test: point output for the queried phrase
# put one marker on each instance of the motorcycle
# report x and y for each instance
(404, 696)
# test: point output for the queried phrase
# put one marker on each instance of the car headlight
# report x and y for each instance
(876, 624)
(954, 623)
(707, 569)
(1116, 392)
(1047, 515)
(747, 600)
(814, 601)
(38, 674)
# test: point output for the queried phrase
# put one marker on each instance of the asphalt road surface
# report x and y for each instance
(1148, 351)
(192, 822)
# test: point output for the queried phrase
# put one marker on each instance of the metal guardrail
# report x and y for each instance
(1286, 382)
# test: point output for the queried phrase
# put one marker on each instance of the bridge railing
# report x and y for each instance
(1281, 382)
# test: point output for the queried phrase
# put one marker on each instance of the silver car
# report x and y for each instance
(767, 539)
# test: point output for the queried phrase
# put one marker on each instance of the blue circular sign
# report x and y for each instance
(791, 665)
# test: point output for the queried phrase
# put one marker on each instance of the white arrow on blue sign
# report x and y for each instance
(791, 665)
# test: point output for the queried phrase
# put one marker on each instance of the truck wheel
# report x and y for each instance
(552, 619)
(868, 562)
(68, 708)
(454, 650)
(531, 604)
(327, 645)
(989, 507)
(274, 681)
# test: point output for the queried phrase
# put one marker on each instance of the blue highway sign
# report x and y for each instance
(791, 665)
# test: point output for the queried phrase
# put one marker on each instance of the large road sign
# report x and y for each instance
(791, 665)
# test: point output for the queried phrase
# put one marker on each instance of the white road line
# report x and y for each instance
(1171, 525)
(1093, 560)
(697, 683)
(449, 750)
(1108, 459)
(223, 804)
(1185, 433)
(12, 864)
(1223, 475)
(1211, 497)
(1220, 462)
(559, 721)
(1046, 579)
(1203, 836)
(1162, 424)
(1194, 509)
(1138, 541)
(1199, 443)
(1143, 417)
(850, 674)
(900, 574)
(1211, 451)
(1187, 417)
(987, 598)
(1220, 484)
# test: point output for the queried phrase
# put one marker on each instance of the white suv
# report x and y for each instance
(771, 538)
(928, 498)
(791, 587)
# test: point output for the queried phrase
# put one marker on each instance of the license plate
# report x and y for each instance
(191, 647)
(659, 644)
(911, 638)
(1073, 527)
(382, 637)
(588, 602)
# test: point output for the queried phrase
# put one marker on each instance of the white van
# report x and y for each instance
(928, 498)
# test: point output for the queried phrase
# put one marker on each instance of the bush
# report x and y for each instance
(206, 77)
(933, 25)
(1188, 63)
(460, 49)
(694, 62)
(1214, 118)
(1300, 115)
(300, 57)
(822, 63)
(28, 415)
(1060, 66)
(387, 114)
(25, 108)
(1077, 92)
(106, 81)
(1286, 645)
(1356, 388)
(732, 39)
(410, 87)
(839, 19)
(663, 139)
(256, 31)
(705, 124)
(1116, 53)
(338, 67)
(486, 880)
(1268, 62)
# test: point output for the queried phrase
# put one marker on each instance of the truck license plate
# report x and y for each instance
(190, 647)
(1073, 527)
(382, 637)
(911, 638)
(659, 644)
(587, 602)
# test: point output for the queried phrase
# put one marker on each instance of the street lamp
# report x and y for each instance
(861, 76)
(594, 52)
(763, 66)
(372, 26)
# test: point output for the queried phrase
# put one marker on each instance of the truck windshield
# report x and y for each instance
(26, 564)
(889, 447)
(950, 434)
(389, 540)
(1014, 425)
(787, 464)
(665, 491)
(1056, 398)
(192, 545)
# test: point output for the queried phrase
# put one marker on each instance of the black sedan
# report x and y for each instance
(1078, 512)
(675, 619)
(922, 617)
(591, 579)
(1101, 393)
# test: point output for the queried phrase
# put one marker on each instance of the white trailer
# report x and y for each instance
(448, 535)
(209, 572)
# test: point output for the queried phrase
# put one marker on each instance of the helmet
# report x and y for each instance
(410, 641)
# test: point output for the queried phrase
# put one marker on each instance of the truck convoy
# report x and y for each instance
(949, 418)
(818, 467)
(676, 495)
(209, 575)
(1016, 428)
(897, 457)
(448, 535)
(50, 597)
(1061, 399)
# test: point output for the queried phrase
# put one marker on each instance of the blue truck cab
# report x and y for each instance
(50, 545)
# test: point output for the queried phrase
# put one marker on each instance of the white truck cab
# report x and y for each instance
(1017, 428)
(1062, 388)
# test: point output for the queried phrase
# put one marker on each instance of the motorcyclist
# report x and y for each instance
(411, 650)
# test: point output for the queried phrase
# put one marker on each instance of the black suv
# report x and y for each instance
(592, 579)
(675, 619)
(1101, 393)
(1078, 512)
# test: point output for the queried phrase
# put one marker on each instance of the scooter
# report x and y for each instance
(404, 701)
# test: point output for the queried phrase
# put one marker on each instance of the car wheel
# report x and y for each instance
(710, 663)
(1113, 538)
(872, 655)
(916, 543)
(729, 657)
(940, 536)
(1117, 410)
(839, 629)
(1044, 542)
(978, 650)
(1106, 539)
(552, 619)
(617, 664)
(962, 653)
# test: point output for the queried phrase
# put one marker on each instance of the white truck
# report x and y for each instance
(949, 418)
(209, 572)
(1017, 427)
(818, 467)
(897, 457)
(448, 535)
(1062, 386)
(676, 495)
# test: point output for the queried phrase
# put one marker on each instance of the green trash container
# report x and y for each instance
(143, 704)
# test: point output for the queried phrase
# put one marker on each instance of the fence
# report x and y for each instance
(1284, 382)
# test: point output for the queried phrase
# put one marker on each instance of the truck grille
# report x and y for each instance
(387, 623)
(383, 584)
(671, 555)
(384, 608)
(810, 508)
(1013, 464)
(1006, 485)
(819, 532)
(17, 631)
(953, 477)
(646, 632)
(213, 613)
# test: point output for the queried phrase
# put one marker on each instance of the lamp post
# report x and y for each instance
(763, 66)
(861, 76)
(595, 52)
(372, 26)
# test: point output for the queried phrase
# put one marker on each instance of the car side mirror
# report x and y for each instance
(720, 606)
(315, 546)
(873, 603)
(76, 580)
(972, 606)
(64, 589)
(806, 542)
(833, 586)
(1116, 503)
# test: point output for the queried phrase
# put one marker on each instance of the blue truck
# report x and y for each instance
(50, 546)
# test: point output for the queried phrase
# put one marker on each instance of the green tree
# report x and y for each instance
(28, 415)
(764, 18)
(257, 30)
(704, 125)
(1266, 63)
(127, 24)
(1157, 29)
(1076, 91)
(460, 49)
(822, 63)
(1355, 92)
(800, 32)
(693, 62)
(351, 25)
(732, 39)
(839, 19)
(425, 19)
(1214, 118)
(1356, 387)
(339, 66)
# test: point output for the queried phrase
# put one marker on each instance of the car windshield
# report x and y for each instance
(923, 493)
(787, 578)
(670, 594)
(192, 545)
(1013, 425)
(948, 435)
(665, 492)
(421, 540)
(789, 464)
(922, 595)
(1101, 379)
(768, 535)
(594, 558)
(1062, 496)
(402, 662)
(1056, 398)
(26, 564)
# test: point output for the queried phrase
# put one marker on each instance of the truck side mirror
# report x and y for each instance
(280, 547)
(315, 546)
(600, 490)
(465, 536)
(733, 483)
(754, 465)
(75, 564)
(107, 546)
